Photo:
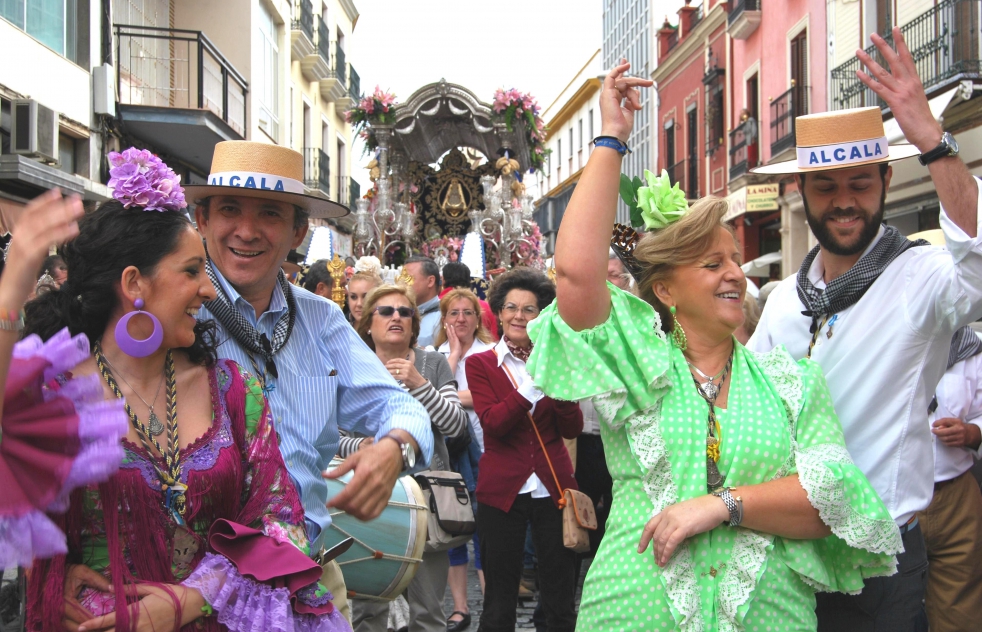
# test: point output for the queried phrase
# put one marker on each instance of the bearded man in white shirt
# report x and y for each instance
(952, 524)
(878, 312)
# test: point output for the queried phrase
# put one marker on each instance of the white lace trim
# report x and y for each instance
(827, 494)
(785, 374)
(747, 560)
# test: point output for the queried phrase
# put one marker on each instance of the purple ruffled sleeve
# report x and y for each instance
(63, 429)
(245, 605)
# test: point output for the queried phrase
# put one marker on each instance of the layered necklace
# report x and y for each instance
(175, 499)
(709, 389)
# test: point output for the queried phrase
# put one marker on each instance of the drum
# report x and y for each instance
(386, 551)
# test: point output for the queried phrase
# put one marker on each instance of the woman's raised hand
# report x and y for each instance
(619, 100)
(47, 220)
(678, 522)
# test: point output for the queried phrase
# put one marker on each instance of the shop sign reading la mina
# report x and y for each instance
(753, 198)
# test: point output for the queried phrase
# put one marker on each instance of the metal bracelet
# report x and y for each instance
(733, 503)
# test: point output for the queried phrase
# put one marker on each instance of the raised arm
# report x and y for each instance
(48, 220)
(901, 89)
(584, 235)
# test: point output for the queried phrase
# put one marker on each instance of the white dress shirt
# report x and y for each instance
(461, 376)
(526, 388)
(960, 396)
(886, 355)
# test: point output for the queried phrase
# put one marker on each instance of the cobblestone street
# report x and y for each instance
(525, 606)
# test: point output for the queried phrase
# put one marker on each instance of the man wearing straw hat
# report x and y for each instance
(878, 312)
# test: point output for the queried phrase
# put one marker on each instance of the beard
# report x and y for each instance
(826, 237)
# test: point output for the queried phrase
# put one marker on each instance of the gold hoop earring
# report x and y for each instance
(678, 334)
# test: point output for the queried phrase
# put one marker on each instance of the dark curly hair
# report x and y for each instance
(110, 239)
(528, 279)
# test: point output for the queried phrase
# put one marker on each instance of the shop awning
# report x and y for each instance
(761, 266)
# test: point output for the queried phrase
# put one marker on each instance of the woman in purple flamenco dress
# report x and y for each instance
(201, 528)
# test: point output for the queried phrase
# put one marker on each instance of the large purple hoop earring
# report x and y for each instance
(130, 345)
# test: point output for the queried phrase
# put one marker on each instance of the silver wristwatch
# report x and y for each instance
(407, 451)
(733, 503)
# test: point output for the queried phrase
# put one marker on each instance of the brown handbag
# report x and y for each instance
(579, 514)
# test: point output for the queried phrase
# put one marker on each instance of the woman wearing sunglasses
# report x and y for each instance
(515, 485)
(389, 324)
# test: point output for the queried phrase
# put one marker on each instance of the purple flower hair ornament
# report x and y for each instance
(138, 178)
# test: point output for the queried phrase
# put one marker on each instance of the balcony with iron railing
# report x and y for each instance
(302, 30)
(738, 153)
(354, 192)
(743, 19)
(316, 66)
(177, 92)
(354, 84)
(343, 192)
(784, 108)
(317, 170)
(944, 42)
(676, 173)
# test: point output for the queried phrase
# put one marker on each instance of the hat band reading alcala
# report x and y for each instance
(827, 156)
(258, 181)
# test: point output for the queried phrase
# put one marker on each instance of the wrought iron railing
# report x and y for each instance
(303, 19)
(944, 42)
(739, 7)
(323, 39)
(354, 192)
(339, 64)
(354, 84)
(696, 18)
(178, 68)
(316, 169)
(738, 153)
(792, 103)
(673, 39)
(676, 173)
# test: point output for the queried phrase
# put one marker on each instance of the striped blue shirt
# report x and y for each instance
(328, 378)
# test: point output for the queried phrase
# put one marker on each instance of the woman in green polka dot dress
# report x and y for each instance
(680, 411)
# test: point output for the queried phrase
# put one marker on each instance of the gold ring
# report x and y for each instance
(397, 371)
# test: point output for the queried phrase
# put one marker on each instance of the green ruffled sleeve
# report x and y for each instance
(864, 537)
(623, 363)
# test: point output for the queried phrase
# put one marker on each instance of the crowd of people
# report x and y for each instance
(800, 461)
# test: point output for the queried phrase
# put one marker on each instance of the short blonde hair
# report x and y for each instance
(372, 278)
(678, 244)
(482, 332)
(365, 322)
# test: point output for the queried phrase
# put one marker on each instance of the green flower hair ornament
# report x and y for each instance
(657, 205)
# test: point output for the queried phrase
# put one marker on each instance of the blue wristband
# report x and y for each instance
(613, 143)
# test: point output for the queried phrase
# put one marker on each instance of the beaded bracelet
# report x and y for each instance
(614, 143)
(11, 320)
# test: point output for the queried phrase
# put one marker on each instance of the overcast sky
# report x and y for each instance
(535, 46)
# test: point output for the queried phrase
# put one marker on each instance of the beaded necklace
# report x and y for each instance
(175, 500)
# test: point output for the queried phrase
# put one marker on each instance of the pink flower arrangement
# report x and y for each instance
(514, 106)
(451, 244)
(138, 178)
(375, 108)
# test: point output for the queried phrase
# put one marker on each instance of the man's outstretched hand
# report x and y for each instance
(902, 90)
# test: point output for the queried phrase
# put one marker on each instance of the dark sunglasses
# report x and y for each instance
(386, 311)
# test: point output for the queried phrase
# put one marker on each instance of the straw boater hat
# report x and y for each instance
(261, 170)
(836, 140)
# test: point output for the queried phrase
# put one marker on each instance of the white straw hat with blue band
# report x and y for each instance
(838, 140)
(261, 170)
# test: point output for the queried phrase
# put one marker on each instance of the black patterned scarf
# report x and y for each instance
(964, 344)
(847, 289)
(244, 333)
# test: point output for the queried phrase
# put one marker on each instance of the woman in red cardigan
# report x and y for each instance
(515, 485)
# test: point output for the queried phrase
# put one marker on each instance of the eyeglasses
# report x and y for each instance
(386, 311)
(530, 311)
(466, 313)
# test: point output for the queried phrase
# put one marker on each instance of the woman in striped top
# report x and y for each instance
(389, 324)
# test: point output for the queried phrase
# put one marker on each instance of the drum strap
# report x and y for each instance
(562, 492)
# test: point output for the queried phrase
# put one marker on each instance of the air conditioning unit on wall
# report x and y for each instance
(34, 131)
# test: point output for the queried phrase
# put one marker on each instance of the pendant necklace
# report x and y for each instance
(154, 425)
(175, 498)
(709, 391)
